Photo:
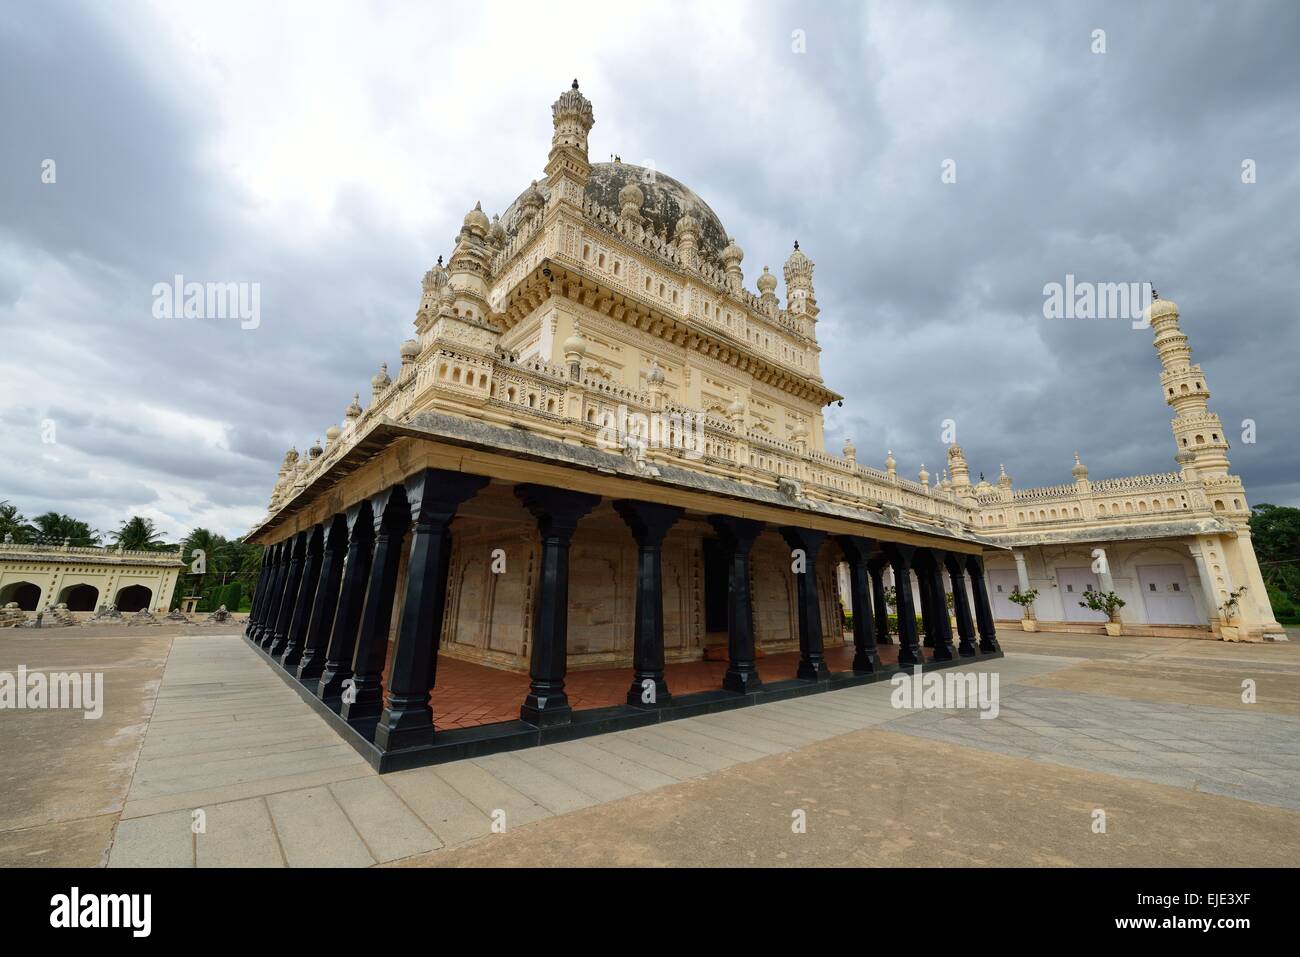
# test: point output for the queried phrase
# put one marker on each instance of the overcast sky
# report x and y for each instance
(329, 152)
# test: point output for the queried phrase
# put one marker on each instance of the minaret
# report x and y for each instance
(800, 300)
(568, 169)
(1197, 430)
(957, 463)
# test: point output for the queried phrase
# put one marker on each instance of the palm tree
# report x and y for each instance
(209, 562)
(55, 529)
(12, 522)
(138, 534)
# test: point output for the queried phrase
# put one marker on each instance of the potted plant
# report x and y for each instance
(1025, 599)
(1109, 604)
(1230, 621)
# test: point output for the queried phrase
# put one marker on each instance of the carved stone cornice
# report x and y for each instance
(554, 278)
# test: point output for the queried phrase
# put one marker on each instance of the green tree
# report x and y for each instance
(138, 534)
(12, 522)
(1275, 530)
(53, 528)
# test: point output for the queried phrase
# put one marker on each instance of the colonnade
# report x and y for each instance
(326, 595)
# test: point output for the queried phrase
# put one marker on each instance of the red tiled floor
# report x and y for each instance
(471, 694)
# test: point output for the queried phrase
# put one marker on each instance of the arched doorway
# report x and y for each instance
(79, 597)
(27, 594)
(133, 598)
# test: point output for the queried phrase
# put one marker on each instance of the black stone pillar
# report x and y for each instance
(433, 496)
(276, 598)
(856, 549)
(649, 524)
(925, 596)
(960, 604)
(737, 536)
(938, 626)
(983, 609)
(347, 612)
(557, 512)
(876, 568)
(900, 560)
(272, 553)
(266, 617)
(259, 593)
(325, 601)
(812, 656)
(306, 593)
(285, 613)
(392, 518)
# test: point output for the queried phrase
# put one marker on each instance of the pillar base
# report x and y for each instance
(395, 739)
(330, 688)
(943, 651)
(813, 671)
(741, 680)
(546, 711)
(866, 662)
(368, 704)
(407, 722)
(309, 669)
(637, 691)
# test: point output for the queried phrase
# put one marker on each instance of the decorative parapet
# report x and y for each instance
(16, 551)
(1159, 480)
(825, 477)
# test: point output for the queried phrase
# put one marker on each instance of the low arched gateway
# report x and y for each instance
(26, 594)
(133, 598)
(79, 597)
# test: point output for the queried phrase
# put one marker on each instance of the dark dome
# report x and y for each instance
(666, 201)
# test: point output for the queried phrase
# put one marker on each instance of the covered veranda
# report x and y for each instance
(354, 596)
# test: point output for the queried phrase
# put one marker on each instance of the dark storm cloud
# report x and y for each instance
(1123, 166)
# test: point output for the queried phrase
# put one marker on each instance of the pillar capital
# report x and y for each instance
(433, 495)
(649, 521)
(736, 532)
(557, 510)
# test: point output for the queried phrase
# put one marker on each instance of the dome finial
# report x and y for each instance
(575, 83)
(796, 244)
(1154, 295)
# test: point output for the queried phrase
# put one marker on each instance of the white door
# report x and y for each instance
(1002, 582)
(1167, 597)
(1073, 582)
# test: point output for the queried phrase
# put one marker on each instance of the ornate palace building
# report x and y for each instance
(603, 455)
(35, 577)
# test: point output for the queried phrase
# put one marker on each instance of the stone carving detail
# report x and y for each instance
(106, 613)
(218, 617)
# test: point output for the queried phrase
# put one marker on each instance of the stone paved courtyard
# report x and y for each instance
(1152, 731)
